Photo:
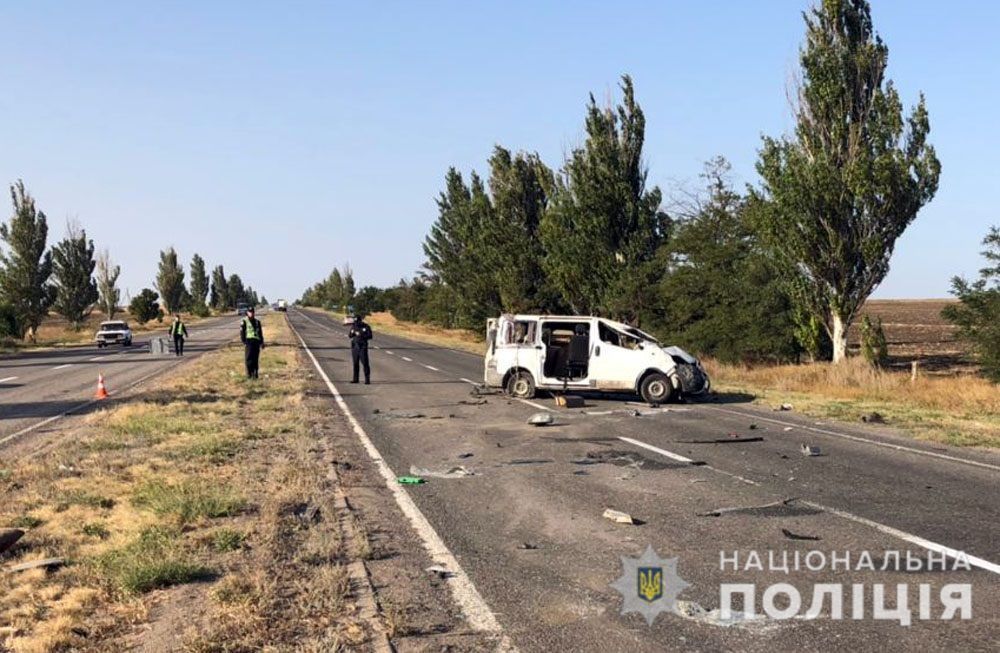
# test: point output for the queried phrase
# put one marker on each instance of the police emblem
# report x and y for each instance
(649, 585)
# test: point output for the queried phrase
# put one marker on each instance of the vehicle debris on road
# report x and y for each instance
(47, 563)
(810, 450)
(795, 536)
(410, 480)
(541, 419)
(439, 571)
(873, 418)
(453, 472)
(784, 407)
(618, 516)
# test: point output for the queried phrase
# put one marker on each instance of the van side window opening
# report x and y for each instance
(616, 338)
(517, 332)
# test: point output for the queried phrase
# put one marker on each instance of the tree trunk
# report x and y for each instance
(839, 337)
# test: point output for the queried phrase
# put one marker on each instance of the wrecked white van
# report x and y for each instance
(551, 352)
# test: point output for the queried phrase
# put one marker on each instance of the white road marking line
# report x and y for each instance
(468, 381)
(407, 358)
(662, 452)
(97, 358)
(475, 609)
(431, 367)
(888, 530)
(909, 537)
(389, 352)
(897, 447)
(532, 404)
(62, 367)
(9, 378)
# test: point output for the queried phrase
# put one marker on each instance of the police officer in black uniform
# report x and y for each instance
(252, 337)
(360, 334)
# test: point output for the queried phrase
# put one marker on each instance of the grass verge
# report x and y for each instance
(182, 506)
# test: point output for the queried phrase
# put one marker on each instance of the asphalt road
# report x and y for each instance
(36, 388)
(527, 527)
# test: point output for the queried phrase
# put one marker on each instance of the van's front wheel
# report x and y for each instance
(656, 388)
(521, 385)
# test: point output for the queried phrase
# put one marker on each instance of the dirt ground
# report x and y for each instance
(916, 331)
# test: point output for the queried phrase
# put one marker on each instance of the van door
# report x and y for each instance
(567, 346)
(617, 358)
(512, 344)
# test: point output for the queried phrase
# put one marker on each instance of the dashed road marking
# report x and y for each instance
(662, 452)
(389, 352)
(9, 378)
(470, 382)
(97, 358)
(431, 367)
(62, 367)
(407, 358)
(478, 614)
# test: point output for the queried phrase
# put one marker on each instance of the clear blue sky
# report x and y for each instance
(284, 138)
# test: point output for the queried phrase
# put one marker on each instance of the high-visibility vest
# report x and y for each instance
(251, 329)
(177, 328)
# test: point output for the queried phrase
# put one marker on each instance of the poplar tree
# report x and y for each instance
(219, 297)
(837, 195)
(520, 188)
(170, 281)
(107, 284)
(604, 226)
(199, 284)
(73, 270)
(25, 266)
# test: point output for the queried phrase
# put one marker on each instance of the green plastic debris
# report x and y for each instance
(410, 480)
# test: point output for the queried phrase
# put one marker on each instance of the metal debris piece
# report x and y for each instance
(410, 480)
(454, 472)
(787, 428)
(753, 427)
(439, 571)
(718, 512)
(48, 563)
(810, 450)
(527, 546)
(541, 419)
(785, 407)
(795, 536)
(465, 455)
(618, 516)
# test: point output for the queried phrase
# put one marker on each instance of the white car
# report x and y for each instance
(551, 352)
(114, 332)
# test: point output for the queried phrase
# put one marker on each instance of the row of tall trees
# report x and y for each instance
(769, 272)
(336, 292)
(72, 278)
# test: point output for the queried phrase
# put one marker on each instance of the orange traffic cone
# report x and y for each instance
(102, 391)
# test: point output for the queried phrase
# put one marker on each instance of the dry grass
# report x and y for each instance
(451, 338)
(201, 479)
(958, 410)
(55, 331)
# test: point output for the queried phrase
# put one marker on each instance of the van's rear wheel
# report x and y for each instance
(656, 388)
(521, 385)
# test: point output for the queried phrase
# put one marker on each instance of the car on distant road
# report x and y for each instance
(113, 332)
(241, 308)
(550, 352)
(282, 305)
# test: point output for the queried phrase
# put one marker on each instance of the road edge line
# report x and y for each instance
(474, 608)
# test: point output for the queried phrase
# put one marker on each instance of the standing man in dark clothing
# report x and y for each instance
(360, 334)
(179, 332)
(252, 337)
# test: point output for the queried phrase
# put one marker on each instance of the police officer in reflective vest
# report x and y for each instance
(178, 332)
(252, 337)
(360, 334)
